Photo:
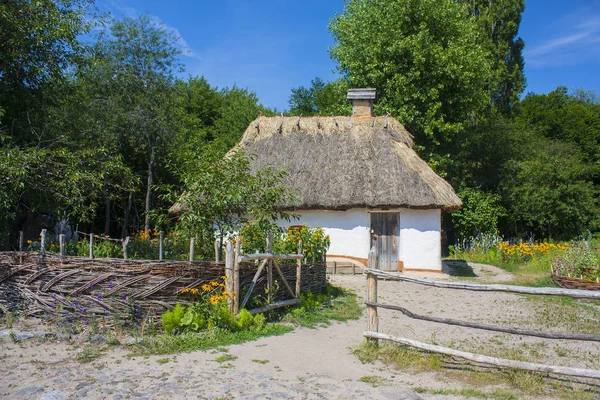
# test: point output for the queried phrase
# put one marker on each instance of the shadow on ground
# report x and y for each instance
(458, 268)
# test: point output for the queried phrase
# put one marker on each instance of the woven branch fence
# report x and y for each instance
(80, 287)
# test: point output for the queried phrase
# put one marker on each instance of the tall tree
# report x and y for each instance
(135, 65)
(499, 21)
(426, 60)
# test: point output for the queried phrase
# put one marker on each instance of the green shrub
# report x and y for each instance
(171, 319)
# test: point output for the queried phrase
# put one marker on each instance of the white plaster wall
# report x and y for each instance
(420, 239)
(349, 230)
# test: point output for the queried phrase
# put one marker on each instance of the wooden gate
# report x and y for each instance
(385, 233)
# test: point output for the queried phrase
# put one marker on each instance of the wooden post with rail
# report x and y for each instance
(229, 263)
(269, 269)
(236, 276)
(371, 297)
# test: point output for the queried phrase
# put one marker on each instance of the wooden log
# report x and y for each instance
(285, 283)
(62, 246)
(273, 306)
(299, 269)
(372, 319)
(498, 362)
(581, 294)
(91, 245)
(161, 241)
(229, 261)
(269, 249)
(252, 284)
(236, 277)
(192, 249)
(488, 327)
(270, 256)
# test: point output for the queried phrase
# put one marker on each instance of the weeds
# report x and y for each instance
(89, 353)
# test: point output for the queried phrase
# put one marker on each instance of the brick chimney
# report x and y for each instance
(362, 102)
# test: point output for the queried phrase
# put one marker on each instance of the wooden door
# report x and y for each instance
(385, 236)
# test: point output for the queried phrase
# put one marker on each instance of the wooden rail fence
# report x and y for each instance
(372, 332)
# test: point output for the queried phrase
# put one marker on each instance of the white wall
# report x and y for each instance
(420, 239)
(349, 230)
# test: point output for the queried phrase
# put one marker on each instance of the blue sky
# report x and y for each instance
(273, 46)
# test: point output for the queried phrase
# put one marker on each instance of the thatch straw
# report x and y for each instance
(341, 163)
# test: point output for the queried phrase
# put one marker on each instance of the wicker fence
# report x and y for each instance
(56, 286)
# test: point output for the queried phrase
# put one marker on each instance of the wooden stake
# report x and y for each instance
(161, 241)
(61, 242)
(192, 249)
(236, 277)
(21, 241)
(299, 270)
(125, 243)
(269, 269)
(277, 304)
(229, 262)
(372, 320)
(42, 257)
(217, 252)
(91, 245)
(283, 280)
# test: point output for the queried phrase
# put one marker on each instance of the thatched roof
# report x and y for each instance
(341, 163)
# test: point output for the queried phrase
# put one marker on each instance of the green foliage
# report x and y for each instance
(426, 59)
(479, 214)
(320, 98)
(171, 319)
(314, 240)
(580, 260)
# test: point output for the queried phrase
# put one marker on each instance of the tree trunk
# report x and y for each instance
(125, 227)
(149, 192)
(107, 216)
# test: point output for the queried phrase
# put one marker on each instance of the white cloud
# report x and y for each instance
(579, 43)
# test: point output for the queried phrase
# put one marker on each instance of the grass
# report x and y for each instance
(225, 358)
(89, 353)
(262, 362)
(482, 382)
(374, 380)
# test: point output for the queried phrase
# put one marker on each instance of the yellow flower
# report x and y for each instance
(206, 287)
(215, 299)
(214, 284)
(29, 242)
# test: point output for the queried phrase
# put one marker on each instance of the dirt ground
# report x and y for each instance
(310, 363)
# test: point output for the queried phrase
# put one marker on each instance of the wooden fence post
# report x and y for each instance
(125, 243)
(217, 252)
(372, 260)
(161, 249)
(192, 249)
(334, 267)
(91, 245)
(269, 269)
(236, 276)
(42, 257)
(298, 270)
(61, 243)
(21, 241)
(229, 262)
(372, 319)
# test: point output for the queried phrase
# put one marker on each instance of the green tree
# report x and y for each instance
(499, 22)
(426, 60)
(479, 214)
(320, 98)
(134, 67)
(222, 194)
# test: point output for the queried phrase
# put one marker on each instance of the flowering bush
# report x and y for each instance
(207, 311)
(314, 241)
(578, 261)
(523, 252)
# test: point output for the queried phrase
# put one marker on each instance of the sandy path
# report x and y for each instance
(304, 364)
